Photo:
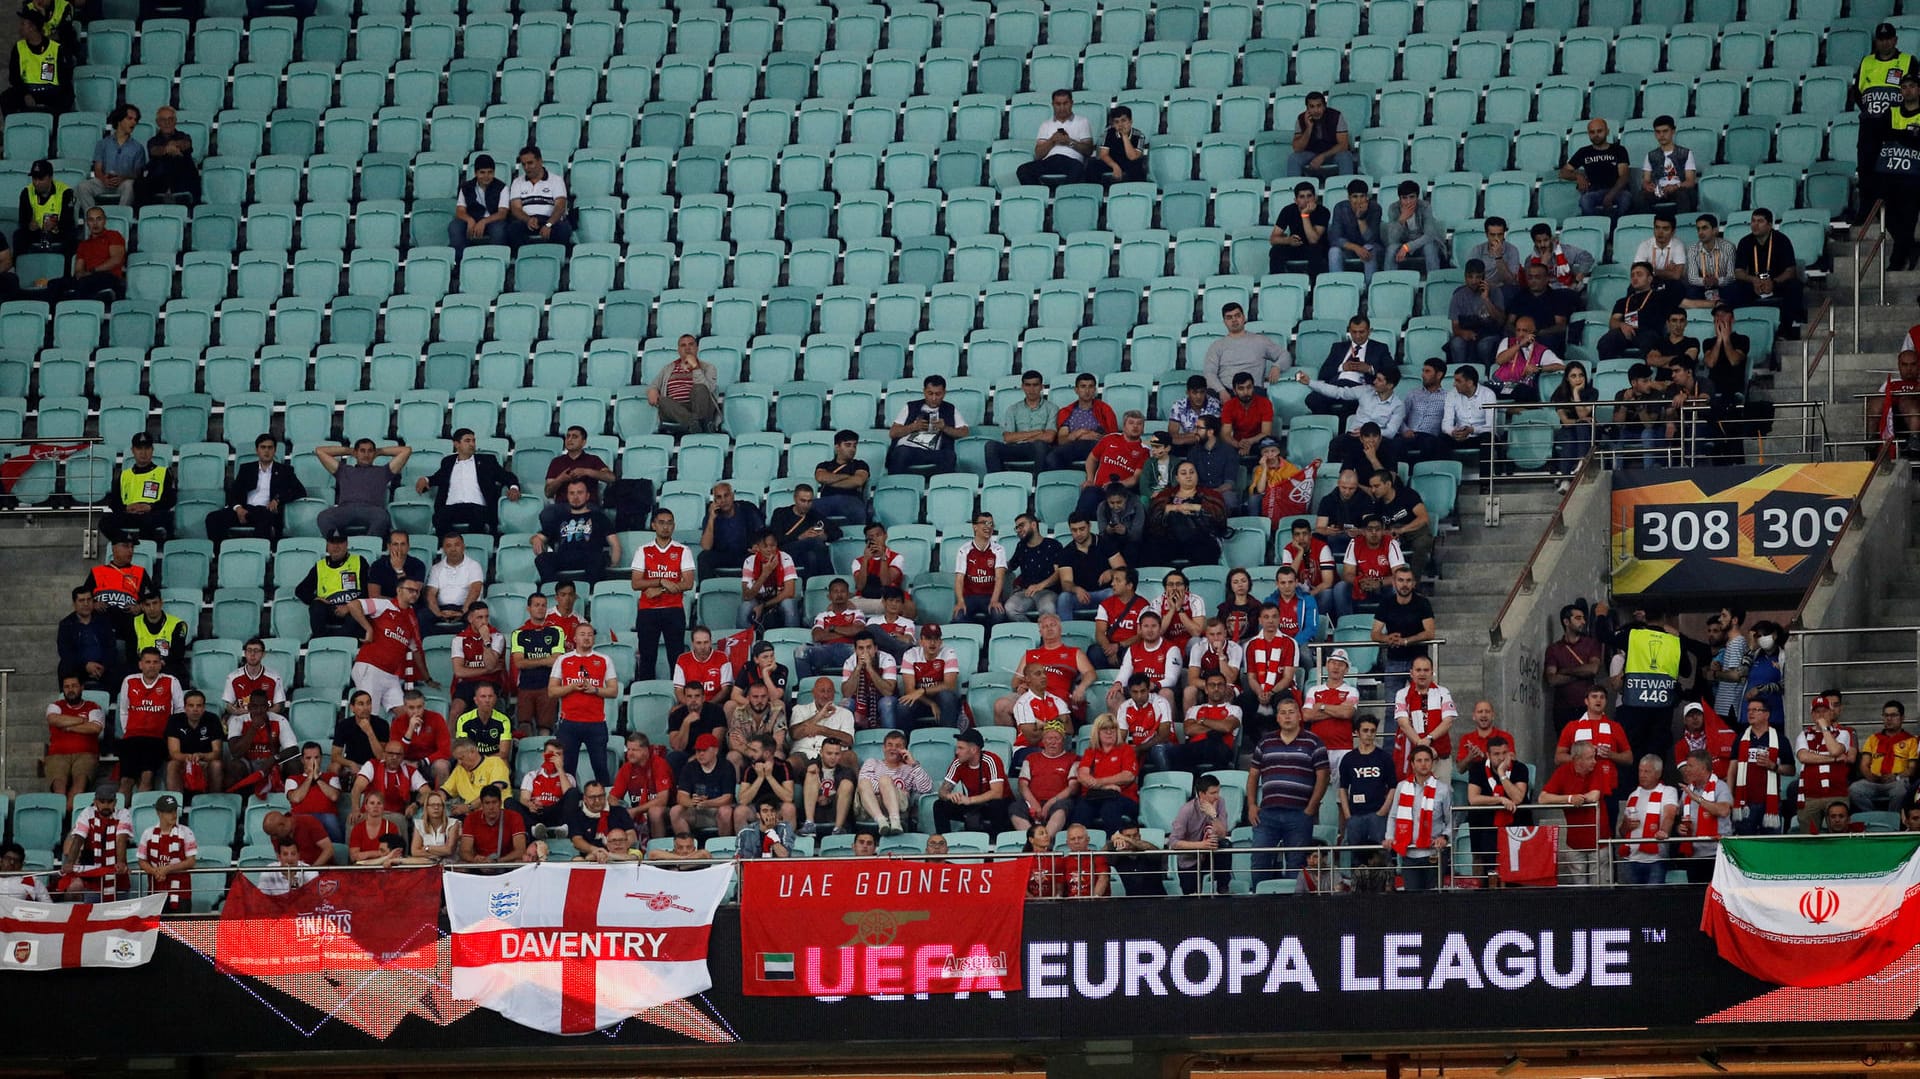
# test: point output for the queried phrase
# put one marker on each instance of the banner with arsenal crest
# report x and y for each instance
(339, 921)
(866, 927)
(573, 949)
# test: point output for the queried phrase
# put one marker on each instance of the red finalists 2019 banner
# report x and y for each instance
(336, 922)
(872, 928)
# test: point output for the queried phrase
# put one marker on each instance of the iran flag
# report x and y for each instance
(1814, 910)
(570, 949)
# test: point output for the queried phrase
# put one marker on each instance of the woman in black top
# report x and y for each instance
(1240, 612)
(1574, 438)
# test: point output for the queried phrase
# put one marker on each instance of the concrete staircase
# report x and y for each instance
(1478, 566)
(43, 563)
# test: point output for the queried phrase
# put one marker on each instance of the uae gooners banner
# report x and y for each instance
(870, 928)
(55, 936)
(1813, 910)
(337, 922)
(572, 949)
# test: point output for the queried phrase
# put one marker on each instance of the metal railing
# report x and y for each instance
(1556, 527)
(1871, 404)
(1876, 221)
(1811, 358)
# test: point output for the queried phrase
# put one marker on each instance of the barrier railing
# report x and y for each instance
(1873, 408)
(1877, 222)
(1811, 358)
(1556, 526)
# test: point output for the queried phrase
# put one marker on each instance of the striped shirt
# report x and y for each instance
(1288, 769)
(537, 197)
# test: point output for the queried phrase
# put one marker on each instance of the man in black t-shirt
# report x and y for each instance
(1403, 622)
(843, 481)
(1299, 237)
(194, 738)
(1550, 308)
(1599, 170)
(1499, 784)
(704, 791)
(1085, 560)
(1122, 151)
(686, 723)
(1766, 273)
(1342, 513)
(1405, 514)
(1638, 317)
(1366, 774)
(1724, 355)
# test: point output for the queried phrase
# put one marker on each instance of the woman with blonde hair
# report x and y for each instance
(436, 835)
(1109, 776)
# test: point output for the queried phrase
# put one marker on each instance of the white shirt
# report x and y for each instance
(262, 486)
(1672, 253)
(1463, 411)
(1023, 710)
(537, 198)
(1669, 799)
(28, 886)
(230, 697)
(913, 409)
(283, 879)
(836, 718)
(453, 581)
(463, 484)
(1077, 128)
(900, 627)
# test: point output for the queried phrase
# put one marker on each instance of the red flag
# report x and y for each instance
(1530, 856)
(340, 921)
(865, 928)
(738, 648)
(16, 466)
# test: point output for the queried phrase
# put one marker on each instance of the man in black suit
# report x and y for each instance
(258, 496)
(1351, 361)
(466, 489)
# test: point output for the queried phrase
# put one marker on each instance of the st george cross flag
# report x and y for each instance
(1530, 856)
(1814, 910)
(55, 936)
(573, 949)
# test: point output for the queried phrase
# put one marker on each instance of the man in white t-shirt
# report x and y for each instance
(454, 585)
(537, 203)
(1663, 251)
(1647, 818)
(1062, 146)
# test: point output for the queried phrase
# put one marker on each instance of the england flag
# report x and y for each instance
(57, 936)
(572, 949)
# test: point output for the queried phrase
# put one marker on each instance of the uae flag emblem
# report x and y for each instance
(1815, 910)
(776, 966)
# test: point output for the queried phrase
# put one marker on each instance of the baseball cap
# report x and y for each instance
(970, 735)
(141, 440)
(1885, 29)
(931, 629)
(1692, 707)
(706, 741)
(166, 803)
(106, 792)
(41, 169)
(1339, 654)
(118, 540)
(1820, 703)
(761, 648)
(1159, 438)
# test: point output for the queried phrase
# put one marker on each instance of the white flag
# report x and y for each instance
(572, 949)
(55, 936)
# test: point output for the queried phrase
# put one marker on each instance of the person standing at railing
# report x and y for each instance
(1422, 812)
(1581, 785)
(1202, 828)
(1366, 774)
(1897, 154)
(1705, 805)
(167, 853)
(1285, 783)
(1573, 439)
(1500, 784)
(1646, 820)
(1760, 759)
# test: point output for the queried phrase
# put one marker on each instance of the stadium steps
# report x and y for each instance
(1478, 566)
(43, 564)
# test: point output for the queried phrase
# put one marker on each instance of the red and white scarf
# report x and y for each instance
(1648, 803)
(1706, 826)
(1413, 815)
(1560, 270)
(1765, 788)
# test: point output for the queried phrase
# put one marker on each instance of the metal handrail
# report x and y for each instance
(1811, 360)
(1876, 217)
(1556, 527)
(90, 510)
(1882, 462)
